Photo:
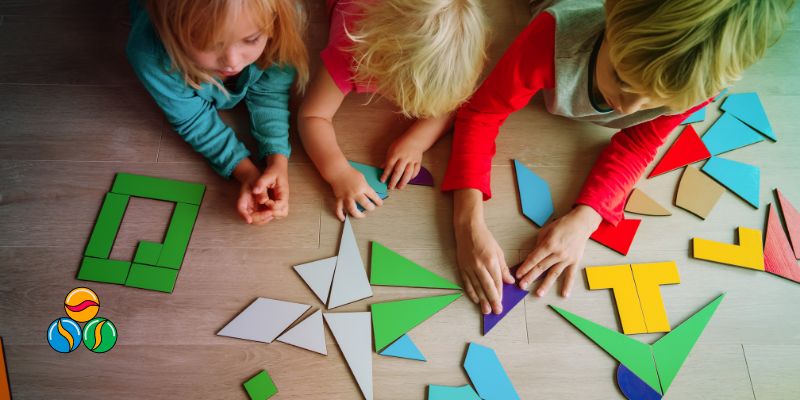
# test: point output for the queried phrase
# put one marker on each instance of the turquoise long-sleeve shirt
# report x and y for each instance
(193, 113)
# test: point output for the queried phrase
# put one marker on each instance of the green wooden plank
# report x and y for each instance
(178, 234)
(158, 188)
(260, 387)
(147, 253)
(103, 270)
(105, 228)
(152, 278)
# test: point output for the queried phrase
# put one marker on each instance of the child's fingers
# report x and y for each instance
(486, 308)
(569, 280)
(548, 281)
(469, 289)
(408, 173)
(387, 169)
(262, 217)
(397, 173)
(353, 210)
(364, 201)
(489, 290)
(532, 260)
(340, 209)
(242, 207)
(374, 198)
(540, 268)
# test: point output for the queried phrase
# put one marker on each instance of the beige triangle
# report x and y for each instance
(641, 203)
(697, 193)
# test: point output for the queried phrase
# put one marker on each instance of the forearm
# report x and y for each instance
(467, 208)
(245, 170)
(427, 131)
(319, 141)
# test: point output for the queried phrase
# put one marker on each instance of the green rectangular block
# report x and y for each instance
(178, 234)
(158, 188)
(104, 270)
(147, 253)
(260, 386)
(152, 278)
(107, 225)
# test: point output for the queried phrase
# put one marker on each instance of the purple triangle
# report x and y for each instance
(512, 295)
(423, 178)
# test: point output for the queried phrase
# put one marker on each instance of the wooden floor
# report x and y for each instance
(72, 115)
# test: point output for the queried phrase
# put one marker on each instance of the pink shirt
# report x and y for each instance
(336, 57)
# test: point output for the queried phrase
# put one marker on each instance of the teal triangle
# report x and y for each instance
(373, 176)
(466, 392)
(728, 133)
(672, 349)
(392, 269)
(635, 355)
(403, 348)
(697, 116)
(747, 107)
(740, 178)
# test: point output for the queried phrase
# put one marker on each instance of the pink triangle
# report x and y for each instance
(778, 257)
(792, 218)
(688, 148)
(618, 238)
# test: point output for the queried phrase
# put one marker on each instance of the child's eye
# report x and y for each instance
(252, 40)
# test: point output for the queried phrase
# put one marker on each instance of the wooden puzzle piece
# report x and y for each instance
(318, 275)
(260, 386)
(649, 277)
(263, 320)
(534, 195)
(742, 179)
(687, 149)
(158, 188)
(728, 133)
(108, 222)
(308, 334)
(640, 203)
(466, 392)
(5, 387)
(792, 218)
(353, 335)
(104, 270)
(747, 107)
(178, 234)
(697, 192)
(619, 278)
(487, 374)
(618, 238)
(392, 319)
(697, 116)
(423, 178)
(350, 281)
(372, 175)
(778, 257)
(152, 278)
(512, 295)
(392, 269)
(403, 347)
(147, 253)
(633, 387)
(749, 253)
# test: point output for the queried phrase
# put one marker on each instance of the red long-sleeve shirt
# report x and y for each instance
(527, 67)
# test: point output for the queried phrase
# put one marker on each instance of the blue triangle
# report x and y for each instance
(721, 94)
(534, 194)
(697, 116)
(728, 133)
(740, 178)
(403, 348)
(747, 107)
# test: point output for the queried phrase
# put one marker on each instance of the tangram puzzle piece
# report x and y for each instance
(633, 387)
(640, 203)
(308, 334)
(392, 319)
(512, 295)
(5, 387)
(353, 335)
(618, 238)
(392, 269)
(423, 178)
(792, 218)
(436, 392)
(778, 256)
(721, 94)
(742, 179)
(697, 116)
(350, 281)
(749, 253)
(747, 107)
(263, 320)
(534, 195)
(649, 277)
(667, 354)
(403, 348)
(619, 278)
(260, 386)
(487, 374)
(372, 175)
(728, 133)
(697, 193)
(687, 149)
(318, 275)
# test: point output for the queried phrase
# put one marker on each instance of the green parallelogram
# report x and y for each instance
(152, 278)
(103, 270)
(158, 188)
(391, 269)
(392, 319)
(178, 234)
(107, 225)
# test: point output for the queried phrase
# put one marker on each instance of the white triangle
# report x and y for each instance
(350, 281)
(308, 334)
(353, 333)
(263, 320)
(318, 275)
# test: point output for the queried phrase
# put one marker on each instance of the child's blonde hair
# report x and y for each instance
(425, 55)
(185, 24)
(686, 51)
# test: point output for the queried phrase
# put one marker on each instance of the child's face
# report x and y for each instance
(620, 93)
(243, 43)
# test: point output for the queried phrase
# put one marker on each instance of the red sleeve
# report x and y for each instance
(526, 67)
(623, 162)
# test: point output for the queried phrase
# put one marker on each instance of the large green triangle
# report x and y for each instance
(635, 355)
(392, 319)
(392, 269)
(672, 349)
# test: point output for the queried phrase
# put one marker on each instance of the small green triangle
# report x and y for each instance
(372, 175)
(392, 269)
(392, 319)
(635, 355)
(672, 349)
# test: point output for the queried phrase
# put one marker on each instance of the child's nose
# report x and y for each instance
(230, 59)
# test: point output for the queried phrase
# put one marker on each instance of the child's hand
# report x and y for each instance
(350, 187)
(256, 205)
(559, 248)
(403, 161)
(483, 266)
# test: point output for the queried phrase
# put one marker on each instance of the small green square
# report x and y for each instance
(152, 278)
(103, 270)
(147, 253)
(260, 387)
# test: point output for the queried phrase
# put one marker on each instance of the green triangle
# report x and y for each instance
(392, 269)
(635, 355)
(672, 349)
(372, 175)
(392, 319)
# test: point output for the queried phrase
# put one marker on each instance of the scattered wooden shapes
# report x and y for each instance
(618, 238)
(263, 320)
(423, 178)
(403, 347)
(260, 386)
(487, 374)
(5, 387)
(697, 193)
(392, 269)
(512, 295)
(749, 253)
(392, 319)
(649, 277)
(778, 256)
(350, 281)
(633, 387)
(640, 203)
(372, 175)
(792, 218)
(619, 278)
(742, 179)
(534, 195)
(747, 107)
(687, 149)
(728, 133)
(354, 336)
(318, 275)
(307, 334)
(466, 392)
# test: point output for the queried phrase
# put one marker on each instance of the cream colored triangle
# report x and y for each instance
(641, 203)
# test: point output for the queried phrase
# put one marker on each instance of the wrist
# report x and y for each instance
(588, 217)
(334, 170)
(245, 170)
(468, 209)
(277, 160)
